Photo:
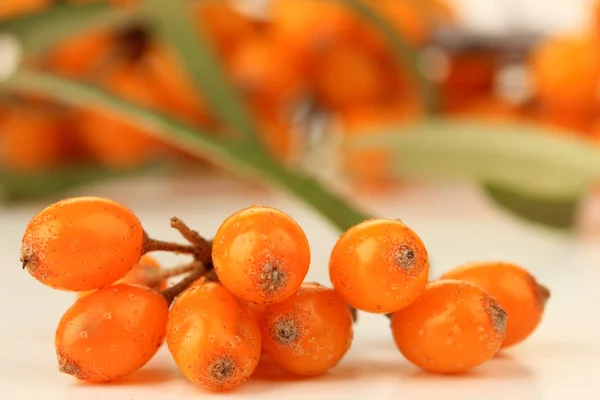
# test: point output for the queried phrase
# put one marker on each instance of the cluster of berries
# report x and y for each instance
(244, 302)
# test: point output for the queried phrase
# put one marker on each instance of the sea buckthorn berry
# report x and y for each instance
(82, 243)
(212, 337)
(379, 266)
(111, 333)
(144, 273)
(517, 291)
(453, 326)
(261, 255)
(308, 333)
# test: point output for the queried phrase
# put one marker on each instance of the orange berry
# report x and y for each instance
(32, 140)
(379, 266)
(82, 243)
(262, 77)
(212, 337)
(223, 25)
(178, 94)
(566, 73)
(111, 333)
(13, 8)
(308, 333)
(345, 63)
(517, 291)
(308, 28)
(452, 327)
(112, 139)
(261, 255)
(78, 56)
(144, 273)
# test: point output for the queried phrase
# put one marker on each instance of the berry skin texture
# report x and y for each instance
(308, 333)
(83, 243)
(521, 296)
(470, 332)
(379, 266)
(261, 255)
(111, 333)
(144, 273)
(212, 337)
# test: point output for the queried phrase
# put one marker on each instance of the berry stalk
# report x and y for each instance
(171, 293)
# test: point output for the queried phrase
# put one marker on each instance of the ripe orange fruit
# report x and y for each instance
(261, 255)
(33, 140)
(517, 291)
(566, 73)
(348, 76)
(79, 56)
(13, 8)
(308, 333)
(112, 139)
(453, 326)
(379, 266)
(224, 26)
(212, 337)
(111, 333)
(82, 243)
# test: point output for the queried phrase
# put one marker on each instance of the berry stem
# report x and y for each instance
(151, 245)
(159, 277)
(204, 246)
(171, 293)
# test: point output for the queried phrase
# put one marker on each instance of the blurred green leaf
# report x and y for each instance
(537, 174)
(192, 48)
(525, 157)
(404, 53)
(552, 212)
(40, 30)
(236, 156)
(19, 186)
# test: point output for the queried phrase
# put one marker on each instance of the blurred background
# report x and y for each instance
(312, 76)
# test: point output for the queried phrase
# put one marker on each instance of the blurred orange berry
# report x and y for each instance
(78, 56)
(263, 72)
(111, 138)
(224, 26)
(178, 94)
(566, 73)
(487, 107)
(12, 8)
(349, 76)
(32, 140)
(310, 28)
(517, 291)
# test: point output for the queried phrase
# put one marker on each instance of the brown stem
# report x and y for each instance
(151, 245)
(354, 313)
(171, 293)
(204, 246)
(160, 276)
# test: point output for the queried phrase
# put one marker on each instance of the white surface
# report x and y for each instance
(558, 362)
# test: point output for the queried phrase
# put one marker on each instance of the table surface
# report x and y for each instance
(456, 223)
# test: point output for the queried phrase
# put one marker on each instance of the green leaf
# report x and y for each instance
(520, 156)
(236, 156)
(176, 29)
(551, 212)
(18, 186)
(404, 53)
(39, 31)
